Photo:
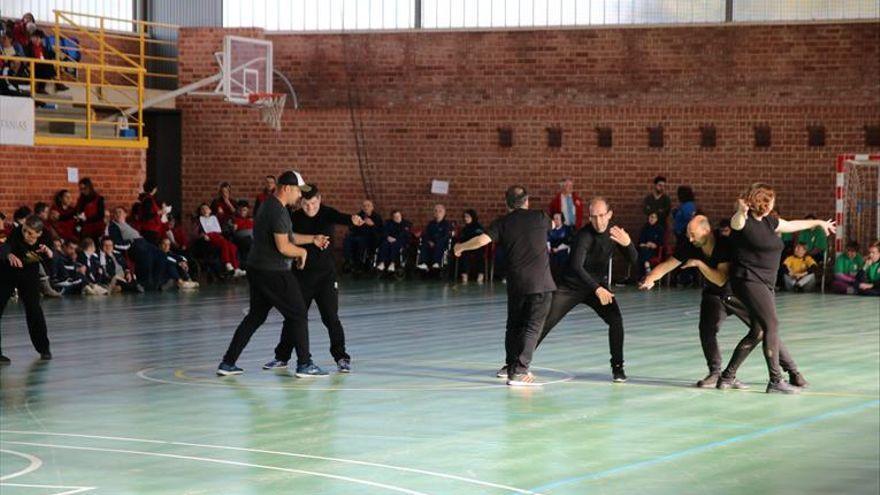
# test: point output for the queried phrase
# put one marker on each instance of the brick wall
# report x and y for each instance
(429, 105)
(28, 175)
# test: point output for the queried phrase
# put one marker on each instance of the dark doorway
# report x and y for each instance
(164, 154)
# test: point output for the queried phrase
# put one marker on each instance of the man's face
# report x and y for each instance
(107, 247)
(270, 184)
(30, 235)
(567, 186)
(290, 195)
(600, 215)
(44, 214)
(439, 212)
(311, 206)
(83, 189)
(397, 217)
(165, 245)
(368, 207)
(800, 251)
(119, 215)
(698, 234)
(69, 250)
(660, 187)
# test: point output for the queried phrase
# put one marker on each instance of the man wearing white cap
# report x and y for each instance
(273, 285)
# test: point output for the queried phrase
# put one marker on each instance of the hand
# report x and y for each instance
(81, 269)
(646, 284)
(650, 245)
(321, 241)
(742, 206)
(356, 220)
(605, 296)
(691, 263)
(129, 277)
(301, 259)
(829, 226)
(456, 250)
(391, 240)
(619, 236)
(14, 262)
(866, 286)
(82, 217)
(431, 244)
(369, 221)
(205, 237)
(45, 251)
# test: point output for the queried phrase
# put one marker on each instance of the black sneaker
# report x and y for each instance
(617, 374)
(710, 381)
(4, 360)
(502, 373)
(522, 380)
(228, 370)
(344, 365)
(782, 387)
(46, 356)
(730, 383)
(797, 379)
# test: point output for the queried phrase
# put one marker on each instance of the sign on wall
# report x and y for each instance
(16, 120)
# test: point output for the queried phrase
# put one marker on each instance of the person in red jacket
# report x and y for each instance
(62, 216)
(149, 221)
(90, 210)
(569, 205)
(268, 191)
(223, 205)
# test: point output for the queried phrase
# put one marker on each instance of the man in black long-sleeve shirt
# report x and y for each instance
(522, 234)
(587, 279)
(317, 280)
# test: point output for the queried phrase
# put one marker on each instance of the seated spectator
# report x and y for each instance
(41, 210)
(657, 201)
(362, 241)
(148, 219)
(846, 268)
(435, 240)
(90, 259)
(8, 68)
(799, 275)
(724, 229)
(148, 260)
(113, 272)
(815, 240)
(687, 209)
(243, 235)
(569, 204)
(395, 238)
(178, 235)
(42, 71)
(209, 225)
(62, 215)
(68, 275)
(268, 190)
(19, 215)
(868, 280)
(223, 206)
(176, 269)
(559, 243)
(650, 244)
(472, 262)
(90, 210)
(23, 28)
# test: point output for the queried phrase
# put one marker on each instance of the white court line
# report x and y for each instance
(70, 490)
(230, 463)
(287, 454)
(210, 382)
(35, 463)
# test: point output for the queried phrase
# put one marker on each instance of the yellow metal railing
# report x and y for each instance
(111, 44)
(93, 89)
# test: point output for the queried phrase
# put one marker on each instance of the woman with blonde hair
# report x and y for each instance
(758, 249)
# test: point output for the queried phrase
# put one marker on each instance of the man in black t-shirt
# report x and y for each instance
(522, 233)
(272, 284)
(712, 256)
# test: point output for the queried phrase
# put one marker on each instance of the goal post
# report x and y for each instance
(857, 200)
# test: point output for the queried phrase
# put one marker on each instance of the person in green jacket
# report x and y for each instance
(868, 279)
(846, 267)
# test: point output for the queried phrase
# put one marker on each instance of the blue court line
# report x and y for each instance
(703, 448)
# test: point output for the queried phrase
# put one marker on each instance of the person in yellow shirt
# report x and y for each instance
(800, 267)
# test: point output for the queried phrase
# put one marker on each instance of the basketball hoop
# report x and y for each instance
(271, 107)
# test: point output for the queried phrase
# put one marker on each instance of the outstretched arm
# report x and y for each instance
(475, 243)
(658, 272)
(791, 226)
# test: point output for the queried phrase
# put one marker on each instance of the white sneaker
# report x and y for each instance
(436, 266)
(423, 267)
(239, 273)
(480, 278)
(464, 278)
(229, 267)
(100, 291)
(187, 285)
(89, 291)
(380, 267)
(390, 267)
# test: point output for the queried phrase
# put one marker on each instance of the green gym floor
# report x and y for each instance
(130, 404)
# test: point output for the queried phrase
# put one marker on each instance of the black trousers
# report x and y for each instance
(760, 303)
(714, 310)
(325, 293)
(526, 314)
(27, 281)
(279, 290)
(564, 300)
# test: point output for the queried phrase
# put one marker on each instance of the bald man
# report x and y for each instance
(712, 256)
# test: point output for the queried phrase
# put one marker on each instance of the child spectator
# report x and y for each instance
(209, 225)
(113, 272)
(41, 210)
(68, 276)
(396, 236)
(435, 240)
(243, 234)
(799, 267)
(149, 215)
(868, 280)
(846, 268)
(176, 269)
(650, 243)
(89, 259)
(815, 241)
(472, 262)
(90, 210)
(176, 234)
(63, 215)
(559, 243)
(223, 206)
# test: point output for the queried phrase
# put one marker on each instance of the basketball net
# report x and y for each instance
(271, 107)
